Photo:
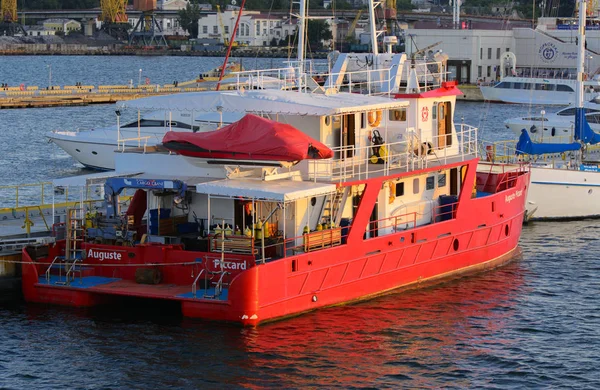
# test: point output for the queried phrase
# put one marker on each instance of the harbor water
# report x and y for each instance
(531, 324)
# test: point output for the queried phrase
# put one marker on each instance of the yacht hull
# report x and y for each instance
(563, 194)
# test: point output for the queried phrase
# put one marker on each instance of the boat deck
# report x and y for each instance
(122, 287)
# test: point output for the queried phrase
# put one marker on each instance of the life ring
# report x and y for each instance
(374, 118)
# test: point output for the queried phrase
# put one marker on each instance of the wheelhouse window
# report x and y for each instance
(398, 115)
(416, 185)
(564, 88)
(441, 179)
(400, 188)
(430, 183)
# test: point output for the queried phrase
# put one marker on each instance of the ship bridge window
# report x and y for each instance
(517, 85)
(564, 88)
(416, 185)
(527, 85)
(504, 85)
(398, 115)
(544, 87)
(430, 183)
(146, 123)
(441, 180)
(400, 189)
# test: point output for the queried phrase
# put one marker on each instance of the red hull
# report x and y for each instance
(484, 234)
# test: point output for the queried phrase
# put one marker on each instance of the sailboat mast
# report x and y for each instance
(301, 33)
(579, 90)
(374, 48)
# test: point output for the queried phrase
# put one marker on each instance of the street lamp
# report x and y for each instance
(140, 78)
(49, 75)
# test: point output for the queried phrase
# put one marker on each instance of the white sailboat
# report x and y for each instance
(565, 179)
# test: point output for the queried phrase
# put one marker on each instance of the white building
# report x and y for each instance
(38, 31)
(475, 54)
(255, 29)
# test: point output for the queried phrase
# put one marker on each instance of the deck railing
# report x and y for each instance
(359, 163)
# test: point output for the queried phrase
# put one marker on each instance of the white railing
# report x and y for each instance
(368, 81)
(359, 163)
(142, 142)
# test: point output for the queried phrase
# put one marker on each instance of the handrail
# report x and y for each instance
(71, 268)
(194, 288)
(50, 267)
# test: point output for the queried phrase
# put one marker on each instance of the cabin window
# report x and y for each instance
(400, 189)
(517, 86)
(594, 118)
(430, 183)
(441, 180)
(564, 88)
(527, 85)
(363, 120)
(398, 115)
(416, 185)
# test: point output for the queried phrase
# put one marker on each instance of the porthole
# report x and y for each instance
(590, 191)
(506, 230)
(94, 153)
(78, 151)
(455, 244)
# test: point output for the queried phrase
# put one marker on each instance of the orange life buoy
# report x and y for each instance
(374, 118)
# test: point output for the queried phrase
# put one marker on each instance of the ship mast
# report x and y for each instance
(579, 90)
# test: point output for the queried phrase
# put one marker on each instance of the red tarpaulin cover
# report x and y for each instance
(252, 137)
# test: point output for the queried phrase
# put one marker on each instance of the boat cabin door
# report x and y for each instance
(348, 135)
(441, 120)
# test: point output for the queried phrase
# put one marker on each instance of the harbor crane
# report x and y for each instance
(147, 30)
(114, 18)
(9, 24)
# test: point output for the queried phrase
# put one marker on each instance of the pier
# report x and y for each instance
(33, 96)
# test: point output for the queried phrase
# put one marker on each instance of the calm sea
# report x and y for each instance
(532, 324)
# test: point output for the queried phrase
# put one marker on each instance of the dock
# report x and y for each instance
(56, 96)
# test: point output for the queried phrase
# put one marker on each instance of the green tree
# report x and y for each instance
(318, 31)
(404, 5)
(188, 18)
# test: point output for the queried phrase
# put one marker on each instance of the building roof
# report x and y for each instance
(59, 20)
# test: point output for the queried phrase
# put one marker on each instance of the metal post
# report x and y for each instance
(140, 78)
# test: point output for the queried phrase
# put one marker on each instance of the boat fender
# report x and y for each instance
(374, 118)
(533, 129)
(553, 131)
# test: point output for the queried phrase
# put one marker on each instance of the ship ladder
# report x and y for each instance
(333, 206)
(73, 247)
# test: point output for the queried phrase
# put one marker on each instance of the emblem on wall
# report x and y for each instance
(548, 52)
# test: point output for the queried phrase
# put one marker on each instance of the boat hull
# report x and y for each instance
(563, 194)
(474, 240)
(93, 155)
